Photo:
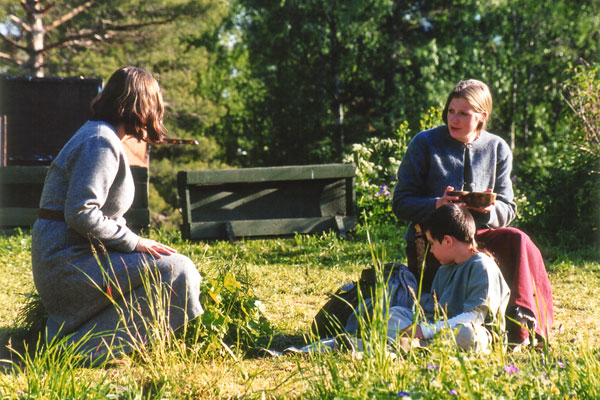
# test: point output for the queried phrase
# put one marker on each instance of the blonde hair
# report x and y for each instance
(132, 97)
(476, 93)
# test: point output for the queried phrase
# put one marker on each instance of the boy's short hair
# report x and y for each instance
(450, 219)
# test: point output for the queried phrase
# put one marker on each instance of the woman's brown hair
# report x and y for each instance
(132, 97)
(477, 94)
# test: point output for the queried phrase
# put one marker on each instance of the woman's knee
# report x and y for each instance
(179, 267)
(515, 235)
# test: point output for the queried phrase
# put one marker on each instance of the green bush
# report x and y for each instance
(561, 181)
(233, 314)
(376, 163)
(562, 207)
(377, 160)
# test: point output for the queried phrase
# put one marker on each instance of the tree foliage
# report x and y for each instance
(296, 82)
(99, 37)
(36, 28)
(329, 73)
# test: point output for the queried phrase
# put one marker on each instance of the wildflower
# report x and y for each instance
(545, 375)
(560, 364)
(432, 367)
(511, 369)
(453, 393)
(402, 394)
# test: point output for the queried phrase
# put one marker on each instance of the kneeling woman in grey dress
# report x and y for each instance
(89, 268)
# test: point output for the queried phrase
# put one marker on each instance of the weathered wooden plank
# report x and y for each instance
(140, 174)
(267, 200)
(22, 174)
(138, 218)
(26, 216)
(275, 201)
(265, 227)
(21, 187)
(17, 216)
(142, 184)
(288, 173)
(19, 174)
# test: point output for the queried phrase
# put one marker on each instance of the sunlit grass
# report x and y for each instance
(292, 277)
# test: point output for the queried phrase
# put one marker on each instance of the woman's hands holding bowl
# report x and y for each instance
(476, 201)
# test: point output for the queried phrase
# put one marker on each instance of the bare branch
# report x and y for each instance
(589, 151)
(101, 35)
(70, 15)
(26, 7)
(8, 57)
(12, 43)
(73, 41)
(46, 10)
(129, 27)
(24, 25)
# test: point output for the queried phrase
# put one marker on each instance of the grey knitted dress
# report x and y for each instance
(85, 268)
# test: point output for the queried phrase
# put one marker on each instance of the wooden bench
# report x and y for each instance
(21, 189)
(261, 202)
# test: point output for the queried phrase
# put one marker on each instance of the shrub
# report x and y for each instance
(233, 314)
(377, 160)
(562, 180)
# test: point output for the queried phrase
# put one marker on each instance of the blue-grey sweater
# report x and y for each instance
(435, 160)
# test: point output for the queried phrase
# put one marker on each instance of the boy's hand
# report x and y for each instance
(418, 332)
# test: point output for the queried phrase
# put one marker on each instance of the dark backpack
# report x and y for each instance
(332, 317)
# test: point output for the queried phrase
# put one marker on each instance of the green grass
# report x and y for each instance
(292, 278)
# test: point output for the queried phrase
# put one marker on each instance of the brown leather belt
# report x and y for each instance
(54, 215)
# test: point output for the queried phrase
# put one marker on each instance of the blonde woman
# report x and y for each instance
(463, 155)
(84, 256)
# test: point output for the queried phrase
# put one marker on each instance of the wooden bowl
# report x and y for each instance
(474, 199)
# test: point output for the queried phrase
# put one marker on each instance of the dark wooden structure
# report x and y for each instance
(260, 202)
(37, 117)
(41, 114)
(21, 188)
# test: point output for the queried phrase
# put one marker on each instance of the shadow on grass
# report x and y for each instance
(18, 339)
(280, 342)
(25, 334)
(6, 334)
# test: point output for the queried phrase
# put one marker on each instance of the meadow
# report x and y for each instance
(275, 287)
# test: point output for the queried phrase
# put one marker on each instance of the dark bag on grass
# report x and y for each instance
(333, 316)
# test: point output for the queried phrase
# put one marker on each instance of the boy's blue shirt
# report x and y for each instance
(462, 287)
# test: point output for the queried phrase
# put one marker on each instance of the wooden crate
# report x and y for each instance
(41, 114)
(37, 117)
(21, 188)
(260, 202)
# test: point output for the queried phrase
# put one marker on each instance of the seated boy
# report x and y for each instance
(469, 288)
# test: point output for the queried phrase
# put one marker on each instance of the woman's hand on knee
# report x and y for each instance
(154, 248)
